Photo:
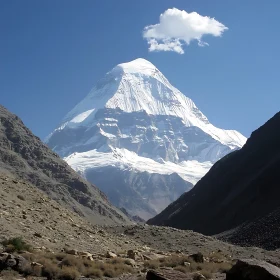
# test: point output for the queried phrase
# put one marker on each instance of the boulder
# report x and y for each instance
(111, 255)
(134, 255)
(86, 255)
(39, 249)
(131, 254)
(251, 269)
(148, 256)
(9, 261)
(4, 255)
(197, 257)
(71, 251)
(35, 264)
(21, 263)
(130, 262)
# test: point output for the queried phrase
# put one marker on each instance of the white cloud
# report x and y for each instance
(177, 28)
(166, 45)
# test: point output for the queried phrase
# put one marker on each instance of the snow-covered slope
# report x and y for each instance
(190, 171)
(137, 86)
(134, 119)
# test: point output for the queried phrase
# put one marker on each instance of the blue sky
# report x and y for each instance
(52, 52)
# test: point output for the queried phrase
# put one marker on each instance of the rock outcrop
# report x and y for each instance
(250, 269)
(241, 190)
(26, 157)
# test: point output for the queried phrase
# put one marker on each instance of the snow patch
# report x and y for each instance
(191, 170)
(81, 117)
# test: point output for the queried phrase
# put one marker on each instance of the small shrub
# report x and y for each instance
(59, 256)
(72, 261)
(68, 273)
(216, 267)
(50, 270)
(29, 256)
(36, 271)
(9, 274)
(122, 268)
(10, 248)
(112, 270)
(154, 264)
(87, 263)
(177, 263)
(68, 267)
(16, 244)
(116, 261)
(174, 260)
(93, 273)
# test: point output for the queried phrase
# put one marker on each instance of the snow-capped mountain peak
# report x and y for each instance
(135, 126)
(139, 65)
(139, 86)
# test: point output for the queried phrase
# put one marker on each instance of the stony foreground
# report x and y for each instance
(126, 251)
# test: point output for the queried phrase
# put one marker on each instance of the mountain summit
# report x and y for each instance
(139, 65)
(151, 137)
(139, 86)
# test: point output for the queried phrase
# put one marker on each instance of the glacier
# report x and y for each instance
(136, 127)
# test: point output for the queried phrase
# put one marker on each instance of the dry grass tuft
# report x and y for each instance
(93, 273)
(68, 273)
(15, 245)
(69, 267)
(9, 274)
(180, 263)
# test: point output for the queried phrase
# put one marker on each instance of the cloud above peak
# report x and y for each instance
(177, 28)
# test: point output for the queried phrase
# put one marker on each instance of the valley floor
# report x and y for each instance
(50, 228)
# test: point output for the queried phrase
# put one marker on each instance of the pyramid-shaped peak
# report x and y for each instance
(139, 65)
(139, 86)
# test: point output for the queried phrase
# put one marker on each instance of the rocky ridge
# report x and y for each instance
(237, 196)
(26, 157)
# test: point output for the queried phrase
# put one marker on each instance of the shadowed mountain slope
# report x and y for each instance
(240, 188)
(261, 232)
(24, 155)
